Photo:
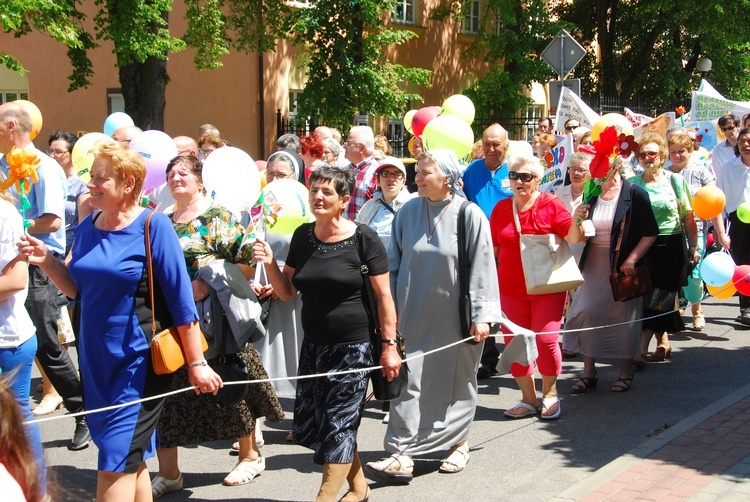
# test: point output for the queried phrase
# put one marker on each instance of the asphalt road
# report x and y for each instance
(510, 460)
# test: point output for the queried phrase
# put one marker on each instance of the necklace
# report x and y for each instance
(574, 194)
(431, 231)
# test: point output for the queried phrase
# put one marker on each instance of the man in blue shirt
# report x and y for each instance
(486, 183)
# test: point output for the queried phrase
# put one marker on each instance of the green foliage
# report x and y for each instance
(650, 48)
(511, 36)
(347, 70)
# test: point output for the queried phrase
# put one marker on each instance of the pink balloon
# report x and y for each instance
(157, 149)
(422, 118)
(261, 164)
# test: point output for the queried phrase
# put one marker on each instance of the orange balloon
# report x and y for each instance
(263, 179)
(34, 113)
(722, 292)
(708, 202)
(621, 123)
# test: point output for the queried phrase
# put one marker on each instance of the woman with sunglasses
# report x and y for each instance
(538, 213)
(671, 203)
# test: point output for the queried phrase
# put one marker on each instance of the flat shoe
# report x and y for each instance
(549, 402)
(660, 354)
(161, 485)
(245, 470)
(396, 467)
(529, 411)
(368, 492)
(456, 461)
(48, 404)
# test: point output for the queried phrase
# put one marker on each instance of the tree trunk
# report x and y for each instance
(144, 88)
(606, 29)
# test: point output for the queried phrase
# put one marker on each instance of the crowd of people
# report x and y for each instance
(375, 220)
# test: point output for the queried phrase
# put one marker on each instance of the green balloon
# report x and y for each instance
(743, 212)
(460, 106)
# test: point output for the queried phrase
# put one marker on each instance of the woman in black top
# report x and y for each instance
(324, 265)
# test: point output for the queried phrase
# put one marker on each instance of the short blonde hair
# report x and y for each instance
(125, 161)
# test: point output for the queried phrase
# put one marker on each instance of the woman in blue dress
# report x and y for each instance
(107, 273)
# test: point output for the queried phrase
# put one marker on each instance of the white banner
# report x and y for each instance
(556, 164)
(708, 104)
(571, 106)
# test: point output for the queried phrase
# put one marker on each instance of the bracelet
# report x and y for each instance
(389, 341)
(199, 363)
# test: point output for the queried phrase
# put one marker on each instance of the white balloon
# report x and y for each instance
(232, 179)
(520, 148)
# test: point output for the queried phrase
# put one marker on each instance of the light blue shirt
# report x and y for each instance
(484, 188)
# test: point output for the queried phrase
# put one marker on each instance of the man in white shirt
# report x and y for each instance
(724, 153)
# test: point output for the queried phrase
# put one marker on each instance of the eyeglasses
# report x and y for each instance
(206, 152)
(278, 175)
(647, 155)
(571, 127)
(524, 177)
(182, 152)
(56, 153)
(728, 128)
(388, 174)
(351, 143)
(577, 170)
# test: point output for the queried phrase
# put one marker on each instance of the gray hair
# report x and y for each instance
(365, 136)
(333, 145)
(519, 161)
(20, 116)
(581, 159)
(290, 141)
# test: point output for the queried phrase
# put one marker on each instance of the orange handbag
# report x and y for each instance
(167, 355)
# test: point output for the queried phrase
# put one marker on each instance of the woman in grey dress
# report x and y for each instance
(436, 410)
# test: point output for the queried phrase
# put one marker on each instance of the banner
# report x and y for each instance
(556, 164)
(706, 132)
(571, 106)
(708, 104)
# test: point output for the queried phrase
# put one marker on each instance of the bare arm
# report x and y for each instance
(575, 232)
(628, 266)
(201, 376)
(281, 281)
(46, 223)
(722, 236)
(38, 254)
(14, 278)
(381, 291)
(691, 229)
(84, 208)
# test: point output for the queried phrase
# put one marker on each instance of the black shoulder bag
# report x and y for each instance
(382, 388)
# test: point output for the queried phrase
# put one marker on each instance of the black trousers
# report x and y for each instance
(739, 233)
(41, 304)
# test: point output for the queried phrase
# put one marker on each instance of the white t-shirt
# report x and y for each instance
(15, 324)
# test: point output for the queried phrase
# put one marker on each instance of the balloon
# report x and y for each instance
(708, 202)
(232, 179)
(741, 279)
(287, 204)
(422, 118)
(722, 292)
(34, 113)
(448, 131)
(717, 268)
(520, 148)
(408, 118)
(743, 212)
(157, 149)
(261, 165)
(621, 123)
(116, 121)
(460, 106)
(263, 179)
(694, 290)
(82, 155)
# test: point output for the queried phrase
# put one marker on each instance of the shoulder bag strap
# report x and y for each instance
(619, 241)
(679, 206)
(463, 265)
(365, 271)
(147, 238)
(389, 208)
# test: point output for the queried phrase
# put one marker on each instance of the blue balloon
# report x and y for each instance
(116, 121)
(717, 269)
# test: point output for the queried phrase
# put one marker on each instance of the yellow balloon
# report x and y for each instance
(621, 123)
(34, 113)
(263, 179)
(82, 155)
(407, 120)
(722, 292)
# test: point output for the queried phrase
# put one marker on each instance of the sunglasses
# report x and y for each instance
(728, 128)
(647, 155)
(524, 177)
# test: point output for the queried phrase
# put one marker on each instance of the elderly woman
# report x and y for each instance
(436, 411)
(697, 174)
(208, 143)
(621, 213)
(572, 195)
(106, 274)
(538, 213)
(331, 151)
(671, 203)
(207, 233)
(323, 264)
(279, 349)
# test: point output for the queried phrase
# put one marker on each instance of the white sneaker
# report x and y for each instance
(161, 485)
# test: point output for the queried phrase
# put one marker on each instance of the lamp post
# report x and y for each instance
(703, 65)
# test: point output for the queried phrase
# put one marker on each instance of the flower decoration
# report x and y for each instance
(626, 145)
(22, 165)
(680, 110)
(600, 168)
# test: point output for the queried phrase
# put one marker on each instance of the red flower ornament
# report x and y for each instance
(626, 145)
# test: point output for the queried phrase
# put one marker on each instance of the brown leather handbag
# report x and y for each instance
(167, 355)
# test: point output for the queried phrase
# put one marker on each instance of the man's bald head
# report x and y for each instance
(495, 145)
(124, 135)
(186, 146)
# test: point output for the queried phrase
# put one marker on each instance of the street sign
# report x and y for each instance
(555, 88)
(563, 53)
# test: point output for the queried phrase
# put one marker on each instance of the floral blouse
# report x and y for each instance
(214, 235)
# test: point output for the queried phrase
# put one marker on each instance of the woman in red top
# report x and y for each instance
(539, 213)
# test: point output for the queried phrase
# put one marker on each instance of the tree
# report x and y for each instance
(511, 37)
(142, 41)
(649, 49)
(344, 45)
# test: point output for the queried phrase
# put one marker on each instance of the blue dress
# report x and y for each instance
(109, 269)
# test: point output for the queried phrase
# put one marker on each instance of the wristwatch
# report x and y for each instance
(199, 363)
(389, 341)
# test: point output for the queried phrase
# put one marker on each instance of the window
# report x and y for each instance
(115, 101)
(294, 94)
(533, 114)
(470, 23)
(13, 95)
(403, 11)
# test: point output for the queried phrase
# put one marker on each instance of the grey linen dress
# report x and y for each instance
(437, 408)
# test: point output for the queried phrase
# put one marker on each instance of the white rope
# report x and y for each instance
(513, 327)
